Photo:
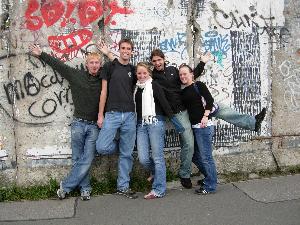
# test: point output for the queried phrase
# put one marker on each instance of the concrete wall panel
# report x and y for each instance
(256, 50)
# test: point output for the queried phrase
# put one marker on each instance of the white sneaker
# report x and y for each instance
(61, 194)
(85, 195)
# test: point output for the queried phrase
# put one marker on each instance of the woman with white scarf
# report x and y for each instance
(151, 108)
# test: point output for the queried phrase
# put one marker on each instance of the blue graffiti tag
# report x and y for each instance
(176, 44)
(217, 44)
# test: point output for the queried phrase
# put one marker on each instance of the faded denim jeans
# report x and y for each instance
(83, 142)
(106, 143)
(203, 157)
(238, 119)
(187, 145)
(150, 146)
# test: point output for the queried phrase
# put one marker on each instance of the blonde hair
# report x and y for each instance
(145, 65)
(93, 55)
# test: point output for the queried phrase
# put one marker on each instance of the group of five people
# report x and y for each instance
(131, 103)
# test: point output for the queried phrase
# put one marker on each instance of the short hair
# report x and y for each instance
(145, 65)
(187, 66)
(126, 40)
(157, 52)
(93, 55)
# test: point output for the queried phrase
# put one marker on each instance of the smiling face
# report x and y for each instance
(158, 63)
(125, 51)
(186, 75)
(93, 64)
(142, 73)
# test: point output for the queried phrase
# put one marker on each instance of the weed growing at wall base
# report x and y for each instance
(16, 193)
(108, 184)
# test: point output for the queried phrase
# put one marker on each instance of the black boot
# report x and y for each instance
(186, 182)
(259, 118)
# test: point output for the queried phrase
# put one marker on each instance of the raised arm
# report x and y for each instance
(102, 47)
(204, 58)
(63, 69)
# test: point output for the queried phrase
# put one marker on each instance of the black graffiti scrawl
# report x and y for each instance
(246, 85)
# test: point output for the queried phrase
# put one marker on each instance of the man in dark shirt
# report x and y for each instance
(85, 89)
(116, 100)
(168, 78)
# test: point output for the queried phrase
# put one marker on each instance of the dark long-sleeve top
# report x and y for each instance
(199, 69)
(193, 103)
(162, 107)
(85, 88)
(169, 80)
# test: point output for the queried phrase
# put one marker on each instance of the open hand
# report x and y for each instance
(35, 50)
(102, 47)
(205, 57)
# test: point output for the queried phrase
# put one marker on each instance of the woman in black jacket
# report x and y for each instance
(199, 103)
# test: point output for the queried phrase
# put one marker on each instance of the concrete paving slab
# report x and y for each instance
(228, 206)
(37, 210)
(272, 189)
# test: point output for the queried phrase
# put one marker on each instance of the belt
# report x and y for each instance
(85, 121)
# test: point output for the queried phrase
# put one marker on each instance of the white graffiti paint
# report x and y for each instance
(53, 151)
(3, 155)
(291, 78)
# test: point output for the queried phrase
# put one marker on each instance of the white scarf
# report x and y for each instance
(148, 105)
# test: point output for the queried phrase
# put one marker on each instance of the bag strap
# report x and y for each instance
(215, 107)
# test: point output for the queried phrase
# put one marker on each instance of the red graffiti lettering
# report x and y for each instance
(71, 42)
(52, 12)
(70, 8)
(115, 9)
(33, 22)
(89, 11)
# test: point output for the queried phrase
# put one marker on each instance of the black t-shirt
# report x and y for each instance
(192, 101)
(162, 106)
(120, 82)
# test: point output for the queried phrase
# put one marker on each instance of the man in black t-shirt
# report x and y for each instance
(116, 100)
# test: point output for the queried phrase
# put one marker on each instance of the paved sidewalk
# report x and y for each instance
(262, 201)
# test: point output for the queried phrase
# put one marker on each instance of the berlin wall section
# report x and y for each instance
(249, 42)
(7, 136)
(286, 86)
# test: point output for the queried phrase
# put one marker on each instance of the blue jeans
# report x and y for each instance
(151, 136)
(203, 158)
(126, 123)
(187, 145)
(83, 142)
(231, 116)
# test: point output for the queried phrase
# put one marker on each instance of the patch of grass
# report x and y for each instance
(239, 176)
(139, 183)
(293, 169)
(171, 175)
(16, 193)
(108, 184)
(234, 177)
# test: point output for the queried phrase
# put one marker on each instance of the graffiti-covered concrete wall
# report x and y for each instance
(255, 46)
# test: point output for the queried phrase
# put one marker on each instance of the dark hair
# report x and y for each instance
(157, 52)
(126, 40)
(187, 66)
